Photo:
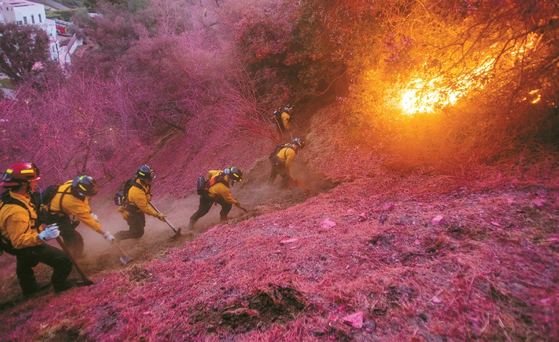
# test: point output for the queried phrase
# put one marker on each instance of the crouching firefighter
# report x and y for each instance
(70, 206)
(137, 204)
(217, 190)
(21, 234)
(282, 159)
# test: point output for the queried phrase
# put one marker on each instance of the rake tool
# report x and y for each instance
(177, 231)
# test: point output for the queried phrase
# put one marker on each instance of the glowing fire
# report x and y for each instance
(428, 96)
(538, 98)
(422, 96)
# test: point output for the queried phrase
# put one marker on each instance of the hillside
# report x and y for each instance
(300, 263)
(425, 207)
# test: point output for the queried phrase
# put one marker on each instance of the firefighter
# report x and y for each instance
(284, 122)
(218, 191)
(69, 207)
(21, 235)
(138, 198)
(282, 159)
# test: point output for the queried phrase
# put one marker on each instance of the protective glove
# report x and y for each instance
(95, 217)
(50, 232)
(161, 217)
(108, 237)
(123, 212)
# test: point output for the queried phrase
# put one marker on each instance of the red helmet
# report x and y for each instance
(20, 173)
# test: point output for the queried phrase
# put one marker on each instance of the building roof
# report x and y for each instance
(18, 3)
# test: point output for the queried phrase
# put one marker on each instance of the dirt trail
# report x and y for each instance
(101, 258)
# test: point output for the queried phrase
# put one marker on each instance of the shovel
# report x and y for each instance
(125, 257)
(177, 231)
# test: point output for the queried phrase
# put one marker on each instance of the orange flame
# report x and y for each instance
(428, 96)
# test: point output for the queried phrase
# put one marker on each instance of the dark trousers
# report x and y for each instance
(137, 222)
(278, 169)
(72, 239)
(29, 257)
(206, 204)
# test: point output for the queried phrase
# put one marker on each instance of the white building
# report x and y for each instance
(23, 12)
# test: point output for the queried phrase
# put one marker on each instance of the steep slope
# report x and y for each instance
(378, 257)
(489, 270)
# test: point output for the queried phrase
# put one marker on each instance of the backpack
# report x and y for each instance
(42, 201)
(274, 155)
(277, 117)
(207, 184)
(121, 197)
(5, 244)
(201, 185)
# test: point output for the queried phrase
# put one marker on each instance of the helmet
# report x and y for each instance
(145, 173)
(234, 174)
(299, 142)
(20, 173)
(84, 186)
(288, 107)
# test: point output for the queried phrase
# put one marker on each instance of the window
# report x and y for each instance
(32, 19)
(25, 20)
(40, 19)
(19, 22)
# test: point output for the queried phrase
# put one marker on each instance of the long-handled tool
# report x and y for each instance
(125, 257)
(177, 231)
(299, 183)
(86, 280)
(243, 209)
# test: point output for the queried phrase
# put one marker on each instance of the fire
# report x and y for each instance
(538, 98)
(428, 96)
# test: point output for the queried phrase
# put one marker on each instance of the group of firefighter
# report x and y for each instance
(26, 222)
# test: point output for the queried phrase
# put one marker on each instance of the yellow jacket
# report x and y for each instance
(219, 189)
(140, 198)
(16, 223)
(287, 154)
(72, 205)
(285, 118)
